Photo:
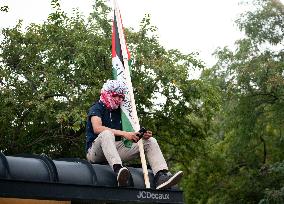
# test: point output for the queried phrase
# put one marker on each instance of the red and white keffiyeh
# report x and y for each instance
(110, 90)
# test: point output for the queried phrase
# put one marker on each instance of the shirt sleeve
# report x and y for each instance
(95, 111)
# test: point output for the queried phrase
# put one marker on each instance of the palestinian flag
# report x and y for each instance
(121, 72)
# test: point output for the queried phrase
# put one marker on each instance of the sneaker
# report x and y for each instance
(123, 176)
(165, 180)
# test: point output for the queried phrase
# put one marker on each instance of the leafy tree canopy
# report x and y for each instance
(247, 143)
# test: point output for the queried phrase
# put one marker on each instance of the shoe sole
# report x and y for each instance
(172, 181)
(123, 176)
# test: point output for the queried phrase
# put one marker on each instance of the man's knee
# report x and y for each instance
(151, 141)
(107, 135)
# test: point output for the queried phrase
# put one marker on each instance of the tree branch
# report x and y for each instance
(264, 149)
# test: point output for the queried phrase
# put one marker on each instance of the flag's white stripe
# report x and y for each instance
(126, 105)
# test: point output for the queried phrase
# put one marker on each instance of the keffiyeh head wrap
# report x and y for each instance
(111, 89)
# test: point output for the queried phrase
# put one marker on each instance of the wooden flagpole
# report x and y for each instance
(130, 88)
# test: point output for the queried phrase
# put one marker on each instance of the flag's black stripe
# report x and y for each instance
(117, 41)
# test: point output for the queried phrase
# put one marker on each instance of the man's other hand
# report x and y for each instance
(147, 135)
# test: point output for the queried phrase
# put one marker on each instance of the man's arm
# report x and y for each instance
(98, 128)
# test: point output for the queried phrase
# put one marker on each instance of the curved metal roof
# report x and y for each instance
(75, 179)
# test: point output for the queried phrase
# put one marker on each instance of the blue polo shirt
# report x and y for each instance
(110, 119)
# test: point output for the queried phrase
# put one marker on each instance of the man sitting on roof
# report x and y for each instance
(104, 139)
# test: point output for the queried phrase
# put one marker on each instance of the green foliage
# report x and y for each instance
(274, 174)
(272, 29)
(50, 74)
(247, 140)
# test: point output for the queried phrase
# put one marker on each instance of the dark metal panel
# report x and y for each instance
(30, 169)
(4, 167)
(77, 172)
(105, 175)
(51, 168)
(86, 193)
(138, 177)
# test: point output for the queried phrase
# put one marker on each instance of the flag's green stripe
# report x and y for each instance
(126, 125)
(114, 73)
